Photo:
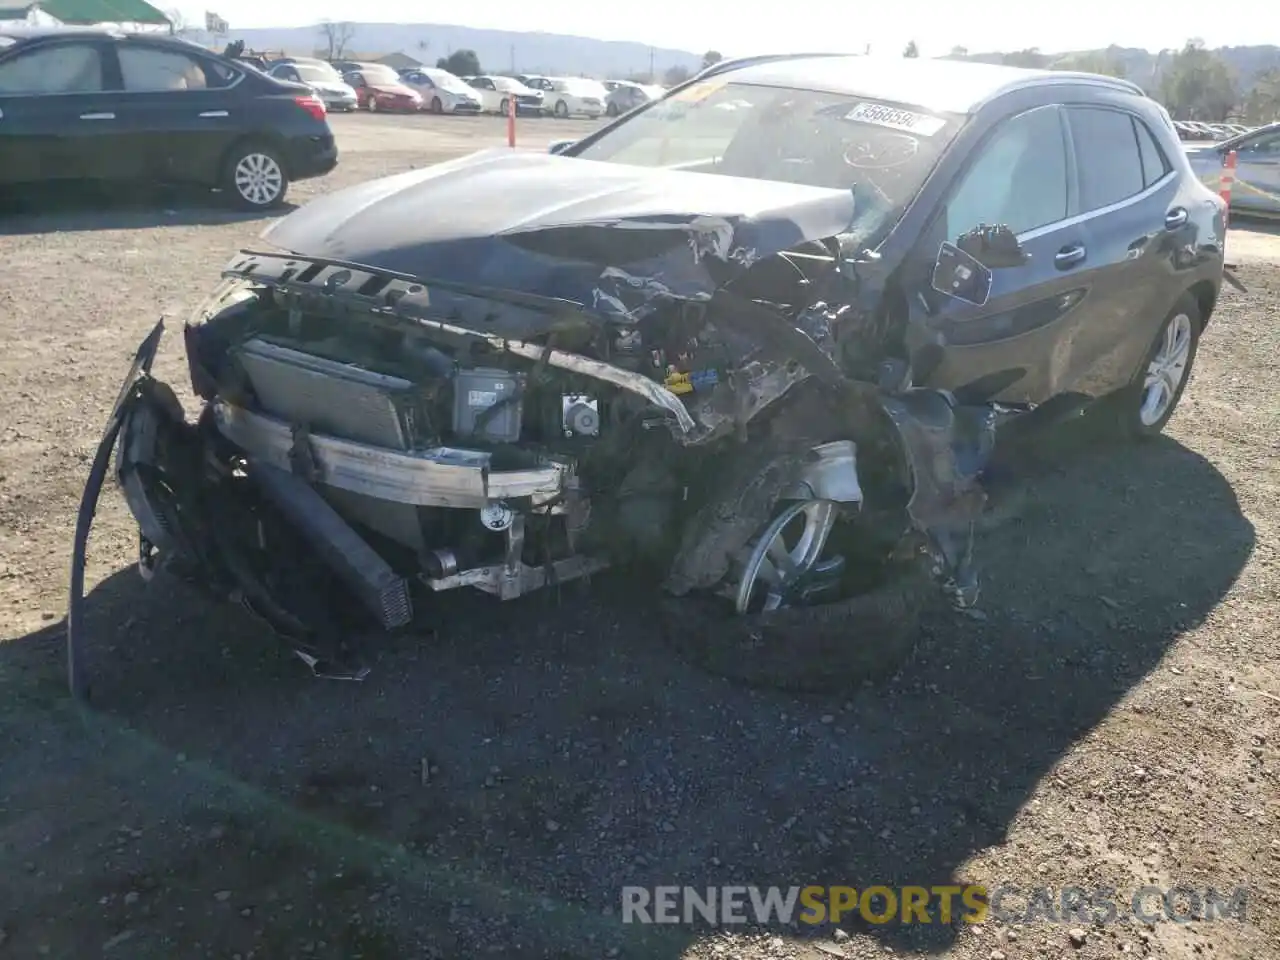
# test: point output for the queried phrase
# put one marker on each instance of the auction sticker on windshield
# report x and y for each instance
(895, 119)
(697, 92)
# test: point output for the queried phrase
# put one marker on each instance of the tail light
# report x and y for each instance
(313, 105)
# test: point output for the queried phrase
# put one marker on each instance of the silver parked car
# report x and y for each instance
(327, 83)
(1257, 186)
(625, 96)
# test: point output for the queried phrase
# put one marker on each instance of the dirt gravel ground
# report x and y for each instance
(1109, 718)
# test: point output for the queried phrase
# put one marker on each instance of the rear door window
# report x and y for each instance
(1154, 163)
(1019, 177)
(1107, 156)
(150, 69)
(55, 68)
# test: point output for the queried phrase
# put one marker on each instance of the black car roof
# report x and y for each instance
(24, 35)
(948, 86)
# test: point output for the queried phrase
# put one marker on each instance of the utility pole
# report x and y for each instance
(652, 78)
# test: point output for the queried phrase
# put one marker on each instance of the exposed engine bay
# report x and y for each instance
(364, 436)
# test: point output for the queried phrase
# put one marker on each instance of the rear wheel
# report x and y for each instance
(504, 107)
(254, 177)
(612, 110)
(436, 105)
(371, 104)
(1141, 410)
(562, 109)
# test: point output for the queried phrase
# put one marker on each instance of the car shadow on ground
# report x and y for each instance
(557, 746)
(89, 207)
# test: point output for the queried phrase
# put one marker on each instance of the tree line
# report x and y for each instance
(1194, 83)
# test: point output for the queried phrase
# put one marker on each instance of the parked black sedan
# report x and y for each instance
(109, 106)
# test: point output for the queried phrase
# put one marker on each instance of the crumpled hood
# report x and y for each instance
(608, 236)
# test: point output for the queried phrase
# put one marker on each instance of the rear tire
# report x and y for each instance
(254, 177)
(562, 109)
(436, 105)
(1141, 409)
(612, 110)
(371, 104)
(504, 107)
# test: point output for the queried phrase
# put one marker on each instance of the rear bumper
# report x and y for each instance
(312, 156)
(334, 101)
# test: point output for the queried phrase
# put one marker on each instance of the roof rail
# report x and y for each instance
(732, 64)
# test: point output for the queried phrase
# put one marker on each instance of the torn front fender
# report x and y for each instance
(140, 369)
(946, 447)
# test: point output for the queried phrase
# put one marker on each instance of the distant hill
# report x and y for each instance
(1144, 67)
(498, 50)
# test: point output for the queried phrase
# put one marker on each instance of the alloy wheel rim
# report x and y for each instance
(259, 178)
(1166, 371)
(790, 547)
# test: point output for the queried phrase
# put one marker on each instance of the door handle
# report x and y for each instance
(1068, 257)
(97, 116)
(1175, 218)
(214, 113)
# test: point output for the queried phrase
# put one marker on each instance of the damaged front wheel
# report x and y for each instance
(806, 598)
(787, 564)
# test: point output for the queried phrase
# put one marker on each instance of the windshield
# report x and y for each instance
(883, 152)
(317, 73)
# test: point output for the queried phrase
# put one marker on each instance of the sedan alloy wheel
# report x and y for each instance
(258, 179)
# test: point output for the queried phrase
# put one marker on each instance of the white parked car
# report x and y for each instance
(575, 97)
(497, 93)
(442, 92)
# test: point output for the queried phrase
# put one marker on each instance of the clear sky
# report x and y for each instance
(744, 27)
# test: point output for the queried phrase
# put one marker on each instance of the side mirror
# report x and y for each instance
(560, 146)
(961, 275)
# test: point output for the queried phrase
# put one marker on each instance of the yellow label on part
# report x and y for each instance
(679, 383)
(697, 92)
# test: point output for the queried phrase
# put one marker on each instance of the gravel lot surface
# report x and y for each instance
(1111, 717)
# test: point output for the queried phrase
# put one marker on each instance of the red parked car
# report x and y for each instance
(378, 87)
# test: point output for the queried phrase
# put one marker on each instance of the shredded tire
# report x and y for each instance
(827, 648)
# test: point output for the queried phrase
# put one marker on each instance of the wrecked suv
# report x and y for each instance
(754, 338)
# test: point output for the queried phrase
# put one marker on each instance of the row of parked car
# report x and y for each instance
(1195, 130)
(347, 85)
